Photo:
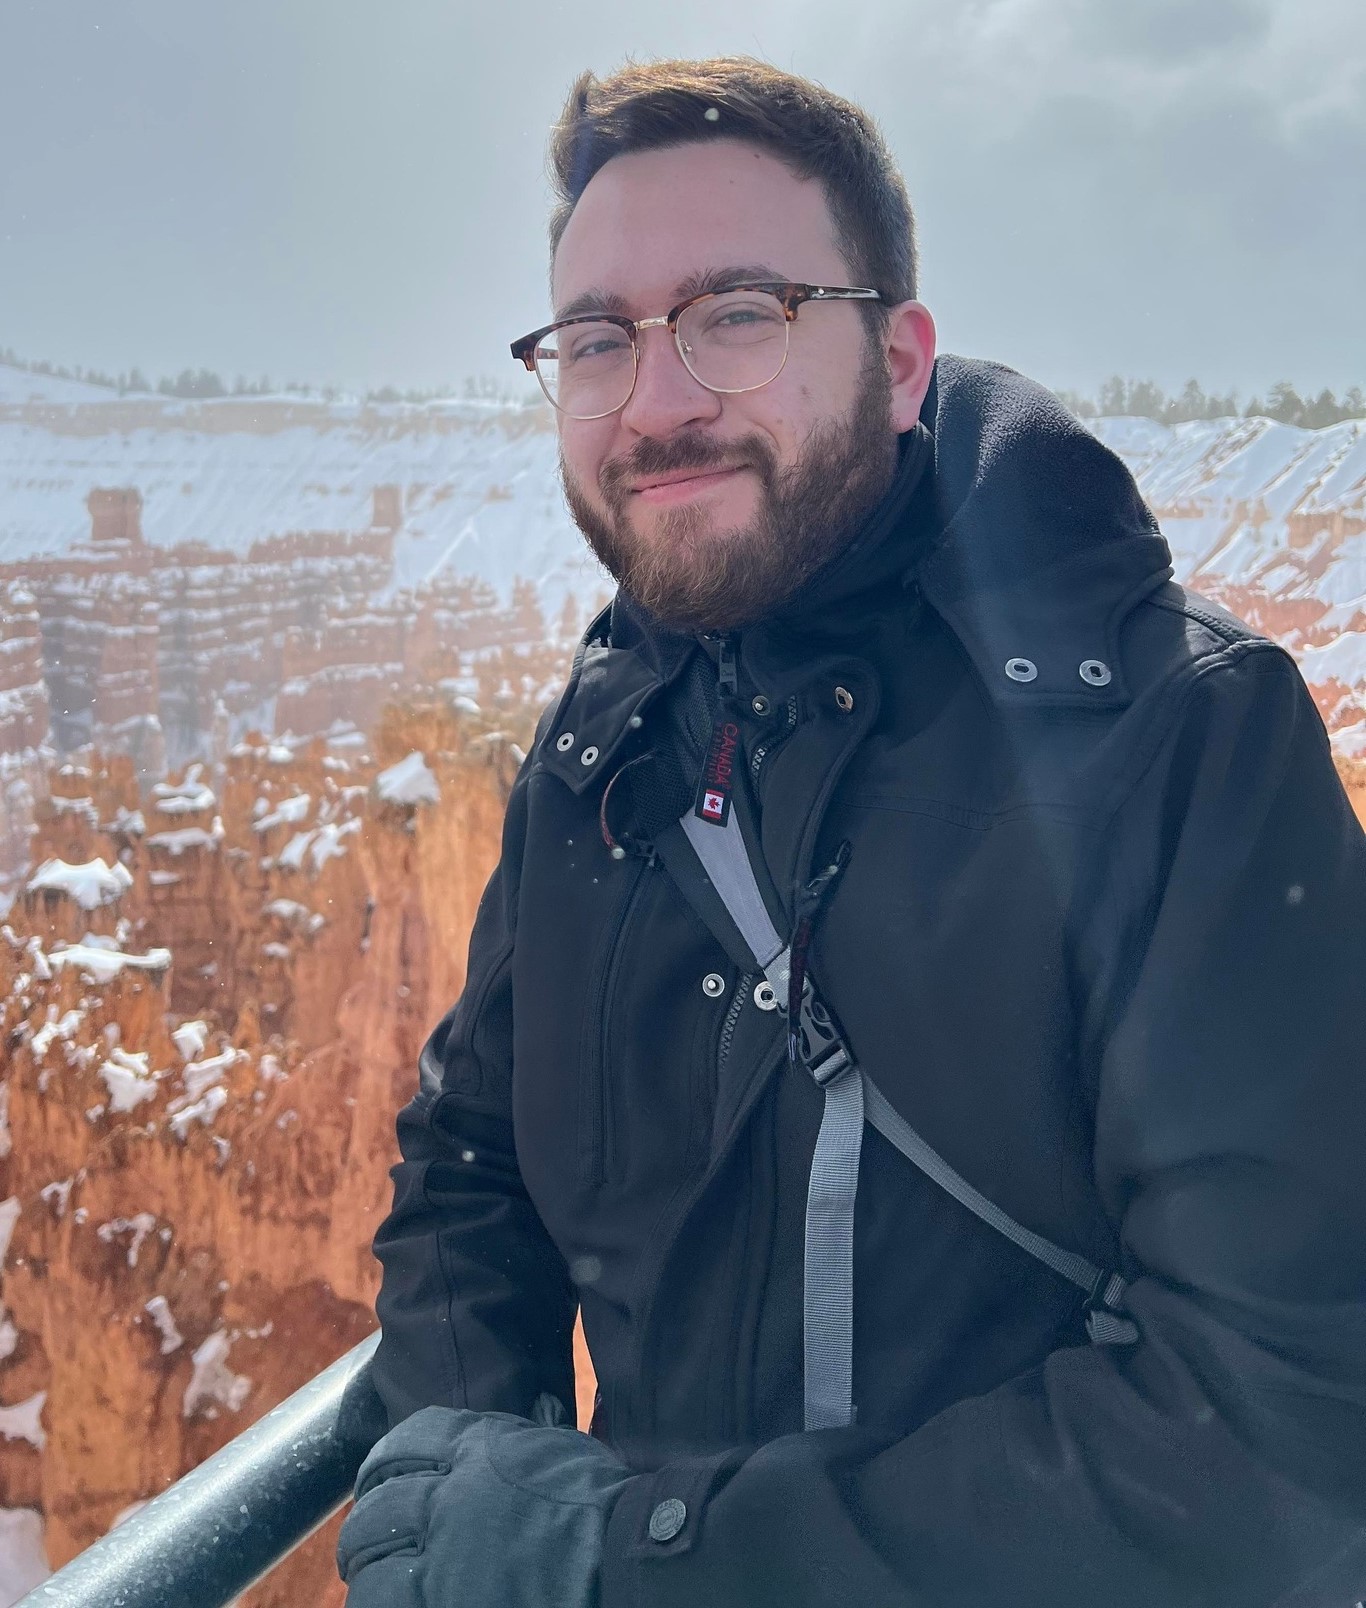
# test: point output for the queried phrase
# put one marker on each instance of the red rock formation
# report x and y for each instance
(161, 653)
(23, 692)
(1354, 779)
(24, 729)
(238, 1189)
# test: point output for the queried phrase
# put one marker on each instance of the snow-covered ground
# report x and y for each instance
(480, 496)
(19, 385)
(479, 493)
(1228, 488)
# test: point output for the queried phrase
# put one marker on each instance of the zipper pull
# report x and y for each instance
(726, 677)
(821, 886)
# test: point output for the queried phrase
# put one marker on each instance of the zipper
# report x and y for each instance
(595, 1110)
(723, 1045)
(761, 753)
(732, 1021)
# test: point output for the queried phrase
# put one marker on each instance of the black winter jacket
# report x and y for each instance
(1101, 940)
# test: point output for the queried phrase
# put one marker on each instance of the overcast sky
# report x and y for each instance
(352, 191)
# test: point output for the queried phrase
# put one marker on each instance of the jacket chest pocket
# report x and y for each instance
(652, 1013)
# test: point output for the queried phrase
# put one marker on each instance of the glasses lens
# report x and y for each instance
(587, 369)
(736, 341)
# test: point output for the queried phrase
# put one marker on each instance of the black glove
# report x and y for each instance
(457, 1508)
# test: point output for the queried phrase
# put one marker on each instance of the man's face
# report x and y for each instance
(762, 486)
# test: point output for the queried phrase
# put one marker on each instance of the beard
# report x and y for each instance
(692, 577)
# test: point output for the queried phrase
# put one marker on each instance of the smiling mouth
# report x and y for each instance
(687, 486)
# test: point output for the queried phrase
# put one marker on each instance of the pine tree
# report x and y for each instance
(1191, 404)
(527, 619)
(570, 625)
(1285, 404)
(1323, 410)
(1114, 397)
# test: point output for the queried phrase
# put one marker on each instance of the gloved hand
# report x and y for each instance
(458, 1509)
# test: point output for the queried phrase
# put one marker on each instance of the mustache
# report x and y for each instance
(687, 451)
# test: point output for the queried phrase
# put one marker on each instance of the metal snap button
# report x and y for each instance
(765, 998)
(760, 705)
(713, 985)
(1021, 669)
(1095, 672)
(667, 1520)
(565, 742)
(844, 698)
(588, 755)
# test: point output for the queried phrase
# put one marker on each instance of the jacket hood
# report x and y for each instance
(1043, 543)
(1008, 456)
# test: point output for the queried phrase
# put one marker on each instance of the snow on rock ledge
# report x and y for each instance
(409, 782)
(213, 1382)
(159, 1310)
(190, 1038)
(186, 797)
(23, 1421)
(139, 1225)
(90, 885)
(204, 1110)
(200, 1075)
(188, 837)
(9, 1216)
(289, 812)
(104, 965)
(128, 1079)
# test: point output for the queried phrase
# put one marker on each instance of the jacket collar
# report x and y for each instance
(1024, 532)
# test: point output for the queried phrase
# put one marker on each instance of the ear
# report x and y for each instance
(910, 347)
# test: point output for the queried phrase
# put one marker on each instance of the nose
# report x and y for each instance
(666, 396)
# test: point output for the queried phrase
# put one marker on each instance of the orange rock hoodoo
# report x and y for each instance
(205, 1051)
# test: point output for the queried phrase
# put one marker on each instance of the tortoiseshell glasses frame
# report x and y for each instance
(790, 296)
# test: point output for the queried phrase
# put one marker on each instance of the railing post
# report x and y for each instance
(217, 1531)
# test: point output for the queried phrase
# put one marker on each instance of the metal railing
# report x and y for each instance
(228, 1522)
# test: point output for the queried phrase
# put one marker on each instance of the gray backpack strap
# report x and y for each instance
(721, 849)
(851, 1098)
(1102, 1323)
(828, 1261)
(832, 1188)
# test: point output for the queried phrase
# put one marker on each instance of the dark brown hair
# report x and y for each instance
(817, 135)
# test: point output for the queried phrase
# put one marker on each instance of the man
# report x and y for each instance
(1060, 849)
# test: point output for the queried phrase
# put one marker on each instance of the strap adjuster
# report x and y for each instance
(1105, 1323)
(831, 1067)
(1106, 1292)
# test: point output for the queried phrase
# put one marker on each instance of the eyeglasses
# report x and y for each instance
(730, 341)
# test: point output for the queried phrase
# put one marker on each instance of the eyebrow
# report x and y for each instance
(610, 301)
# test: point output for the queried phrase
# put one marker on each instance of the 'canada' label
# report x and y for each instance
(718, 774)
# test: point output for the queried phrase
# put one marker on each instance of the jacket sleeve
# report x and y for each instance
(475, 1303)
(1220, 1461)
